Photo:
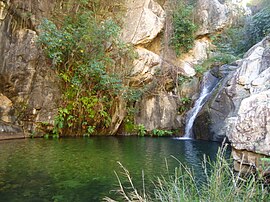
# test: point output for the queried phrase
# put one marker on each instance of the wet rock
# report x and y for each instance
(240, 109)
(10, 131)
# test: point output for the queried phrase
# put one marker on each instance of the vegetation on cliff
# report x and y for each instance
(239, 38)
(92, 62)
(183, 27)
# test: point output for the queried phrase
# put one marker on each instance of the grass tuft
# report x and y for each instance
(221, 184)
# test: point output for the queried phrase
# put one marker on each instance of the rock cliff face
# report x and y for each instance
(29, 89)
(249, 128)
(241, 107)
(160, 110)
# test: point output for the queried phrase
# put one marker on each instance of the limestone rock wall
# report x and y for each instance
(29, 87)
(144, 24)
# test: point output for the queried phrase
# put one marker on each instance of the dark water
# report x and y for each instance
(83, 169)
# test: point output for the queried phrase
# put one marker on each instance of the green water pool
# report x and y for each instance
(82, 169)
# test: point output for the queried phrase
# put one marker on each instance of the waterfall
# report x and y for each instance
(207, 87)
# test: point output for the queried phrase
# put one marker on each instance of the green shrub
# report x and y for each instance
(237, 40)
(141, 130)
(258, 26)
(183, 28)
(185, 104)
(91, 61)
(160, 133)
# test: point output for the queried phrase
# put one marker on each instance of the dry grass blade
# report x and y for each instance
(130, 196)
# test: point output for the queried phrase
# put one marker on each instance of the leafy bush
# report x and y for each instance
(90, 59)
(258, 26)
(238, 39)
(185, 104)
(183, 28)
(160, 133)
(141, 130)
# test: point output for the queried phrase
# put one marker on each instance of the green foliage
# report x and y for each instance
(141, 130)
(160, 133)
(91, 61)
(259, 26)
(183, 28)
(230, 41)
(238, 39)
(185, 104)
(199, 69)
(185, 100)
(54, 136)
(182, 79)
(217, 60)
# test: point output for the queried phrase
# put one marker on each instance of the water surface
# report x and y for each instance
(83, 169)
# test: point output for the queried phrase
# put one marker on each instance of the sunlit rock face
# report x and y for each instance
(212, 16)
(5, 108)
(143, 21)
(26, 78)
(158, 112)
(33, 88)
(249, 128)
(145, 67)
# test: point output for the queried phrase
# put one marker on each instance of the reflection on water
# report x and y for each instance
(83, 169)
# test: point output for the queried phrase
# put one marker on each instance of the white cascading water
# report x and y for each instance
(207, 87)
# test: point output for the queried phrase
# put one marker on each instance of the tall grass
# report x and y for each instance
(221, 184)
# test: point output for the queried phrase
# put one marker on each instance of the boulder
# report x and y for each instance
(159, 111)
(246, 161)
(210, 122)
(143, 21)
(212, 16)
(250, 129)
(145, 67)
(5, 108)
(240, 109)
